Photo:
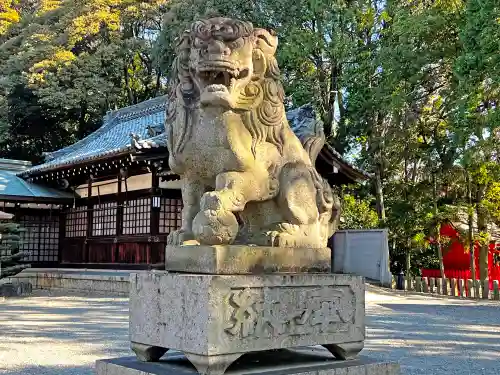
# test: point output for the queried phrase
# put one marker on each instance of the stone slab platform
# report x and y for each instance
(307, 361)
(216, 319)
(244, 259)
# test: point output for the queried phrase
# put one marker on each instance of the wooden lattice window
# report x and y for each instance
(170, 214)
(76, 222)
(40, 238)
(137, 216)
(104, 219)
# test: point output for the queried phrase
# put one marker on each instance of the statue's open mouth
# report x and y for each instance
(220, 77)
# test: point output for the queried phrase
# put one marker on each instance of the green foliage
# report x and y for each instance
(10, 254)
(492, 201)
(357, 214)
(65, 63)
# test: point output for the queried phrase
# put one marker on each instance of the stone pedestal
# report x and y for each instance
(215, 319)
(278, 362)
(246, 259)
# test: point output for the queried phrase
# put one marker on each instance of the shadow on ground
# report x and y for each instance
(61, 335)
(443, 337)
(64, 335)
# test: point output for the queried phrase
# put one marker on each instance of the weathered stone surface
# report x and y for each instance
(299, 362)
(16, 289)
(461, 287)
(485, 292)
(409, 283)
(88, 281)
(229, 140)
(432, 283)
(453, 287)
(496, 290)
(241, 259)
(425, 284)
(447, 287)
(216, 315)
(477, 289)
(439, 286)
(418, 284)
(471, 288)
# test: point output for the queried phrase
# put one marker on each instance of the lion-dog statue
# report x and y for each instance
(246, 177)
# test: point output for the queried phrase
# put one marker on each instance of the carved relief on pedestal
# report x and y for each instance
(283, 311)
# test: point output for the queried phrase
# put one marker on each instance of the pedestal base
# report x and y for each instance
(216, 319)
(278, 362)
(245, 259)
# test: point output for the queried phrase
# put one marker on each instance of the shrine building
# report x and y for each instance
(110, 200)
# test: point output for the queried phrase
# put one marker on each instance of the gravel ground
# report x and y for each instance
(55, 334)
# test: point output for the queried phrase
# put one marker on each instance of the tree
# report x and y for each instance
(10, 254)
(478, 75)
(69, 63)
(357, 213)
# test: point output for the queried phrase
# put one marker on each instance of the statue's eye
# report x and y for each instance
(235, 44)
(198, 43)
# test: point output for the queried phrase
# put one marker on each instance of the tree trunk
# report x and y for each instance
(379, 194)
(408, 261)
(482, 228)
(470, 220)
(438, 230)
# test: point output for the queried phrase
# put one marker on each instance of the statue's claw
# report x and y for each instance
(281, 239)
(178, 237)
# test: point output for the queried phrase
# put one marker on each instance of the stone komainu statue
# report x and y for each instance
(246, 177)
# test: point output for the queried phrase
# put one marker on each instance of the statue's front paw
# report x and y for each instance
(179, 237)
(280, 239)
(212, 227)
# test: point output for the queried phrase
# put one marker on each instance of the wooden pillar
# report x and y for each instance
(119, 208)
(155, 211)
(154, 229)
(90, 214)
(119, 218)
(62, 233)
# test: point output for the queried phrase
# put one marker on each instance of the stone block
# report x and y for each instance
(471, 289)
(453, 287)
(418, 284)
(432, 282)
(409, 283)
(306, 361)
(477, 289)
(439, 286)
(425, 285)
(214, 319)
(245, 259)
(15, 289)
(496, 290)
(446, 287)
(393, 282)
(461, 288)
(486, 289)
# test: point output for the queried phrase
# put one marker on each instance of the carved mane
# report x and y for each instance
(261, 101)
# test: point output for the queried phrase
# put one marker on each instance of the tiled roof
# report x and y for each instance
(141, 127)
(14, 186)
(113, 137)
(303, 122)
